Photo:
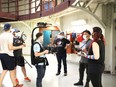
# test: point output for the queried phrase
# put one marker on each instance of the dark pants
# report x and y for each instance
(82, 67)
(60, 58)
(96, 79)
(95, 74)
(20, 61)
(40, 74)
(8, 62)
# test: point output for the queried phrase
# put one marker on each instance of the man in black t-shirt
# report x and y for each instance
(17, 41)
(61, 43)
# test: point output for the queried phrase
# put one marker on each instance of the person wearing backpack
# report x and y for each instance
(39, 53)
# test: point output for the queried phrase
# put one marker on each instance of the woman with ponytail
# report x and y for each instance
(96, 56)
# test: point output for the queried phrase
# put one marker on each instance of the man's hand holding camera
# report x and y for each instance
(23, 45)
(46, 51)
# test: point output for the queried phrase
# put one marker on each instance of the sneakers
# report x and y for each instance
(27, 79)
(78, 83)
(17, 81)
(65, 74)
(57, 73)
(18, 85)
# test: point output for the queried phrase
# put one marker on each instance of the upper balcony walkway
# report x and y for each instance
(14, 10)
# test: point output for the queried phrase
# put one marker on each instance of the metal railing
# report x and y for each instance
(21, 7)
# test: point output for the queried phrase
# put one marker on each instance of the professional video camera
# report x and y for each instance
(23, 37)
(19, 39)
(52, 49)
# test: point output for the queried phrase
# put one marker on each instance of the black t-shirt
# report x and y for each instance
(17, 42)
(61, 44)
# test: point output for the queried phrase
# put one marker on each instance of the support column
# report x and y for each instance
(110, 57)
(113, 68)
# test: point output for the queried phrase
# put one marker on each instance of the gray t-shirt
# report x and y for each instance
(85, 45)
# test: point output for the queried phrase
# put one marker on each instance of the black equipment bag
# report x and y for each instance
(33, 61)
(36, 60)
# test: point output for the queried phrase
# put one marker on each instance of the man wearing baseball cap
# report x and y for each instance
(6, 54)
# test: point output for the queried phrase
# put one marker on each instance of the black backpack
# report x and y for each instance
(33, 61)
(36, 60)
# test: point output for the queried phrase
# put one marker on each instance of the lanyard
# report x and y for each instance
(85, 43)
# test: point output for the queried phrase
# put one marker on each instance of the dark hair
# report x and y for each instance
(87, 31)
(38, 35)
(98, 34)
(97, 29)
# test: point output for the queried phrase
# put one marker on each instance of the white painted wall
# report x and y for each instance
(66, 21)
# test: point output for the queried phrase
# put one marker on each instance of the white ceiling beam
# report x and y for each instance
(89, 3)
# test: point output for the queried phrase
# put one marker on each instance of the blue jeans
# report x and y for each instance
(40, 74)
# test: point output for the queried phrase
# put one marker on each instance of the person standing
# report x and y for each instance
(96, 56)
(17, 41)
(83, 63)
(61, 44)
(6, 55)
(39, 52)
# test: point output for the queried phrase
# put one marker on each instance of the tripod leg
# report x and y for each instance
(28, 63)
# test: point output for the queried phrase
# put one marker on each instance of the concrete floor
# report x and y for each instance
(51, 80)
